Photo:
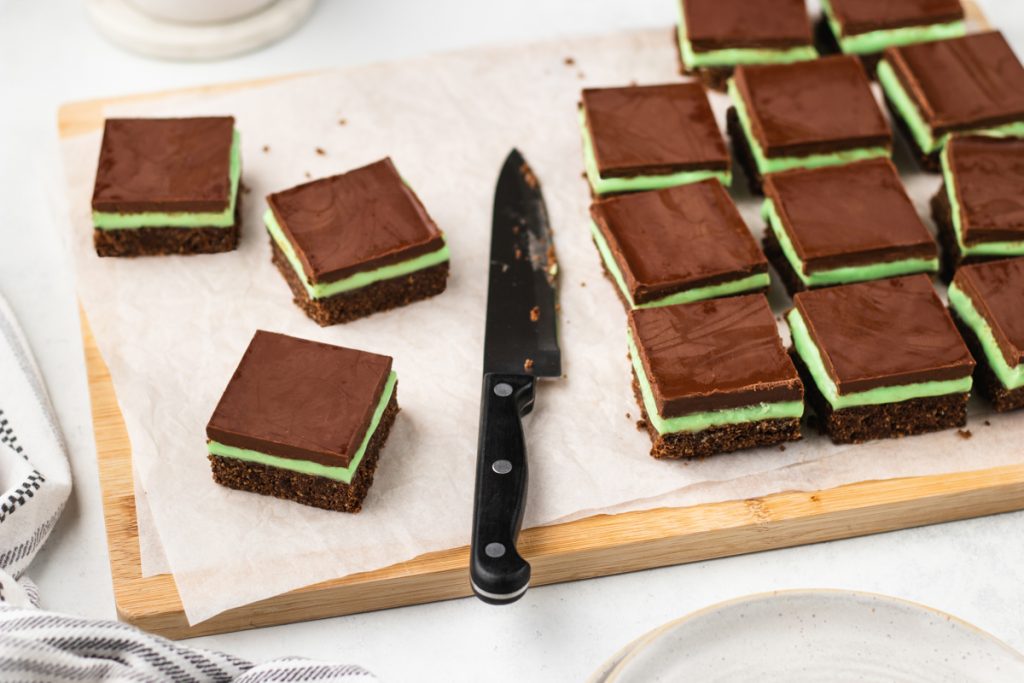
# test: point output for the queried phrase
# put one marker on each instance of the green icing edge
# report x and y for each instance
(986, 248)
(919, 128)
(811, 357)
(846, 274)
(1010, 377)
(105, 220)
(727, 57)
(749, 283)
(876, 41)
(695, 422)
(322, 290)
(777, 164)
(639, 183)
(342, 474)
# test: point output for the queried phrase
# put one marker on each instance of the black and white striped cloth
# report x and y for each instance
(35, 482)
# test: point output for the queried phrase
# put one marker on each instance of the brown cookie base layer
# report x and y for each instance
(741, 150)
(359, 303)
(826, 43)
(308, 489)
(773, 251)
(886, 421)
(927, 162)
(717, 439)
(168, 241)
(985, 381)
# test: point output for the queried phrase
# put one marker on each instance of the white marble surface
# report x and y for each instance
(49, 54)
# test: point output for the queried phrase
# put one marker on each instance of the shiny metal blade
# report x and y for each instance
(522, 325)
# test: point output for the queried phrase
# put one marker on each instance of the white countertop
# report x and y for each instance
(50, 54)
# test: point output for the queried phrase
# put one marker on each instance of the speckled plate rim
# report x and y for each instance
(615, 665)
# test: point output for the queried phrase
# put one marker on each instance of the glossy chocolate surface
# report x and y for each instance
(884, 333)
(164, 165)
(862, 16)
(360, 220)
(300, 399)
(687, 236)
(653, 130)
(710, 355)
(818, 106)
(988, 175)
(717, 24)
(961, 83)
(849, 215)
(996, 288)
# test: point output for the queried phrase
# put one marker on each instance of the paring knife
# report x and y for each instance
(520, 344)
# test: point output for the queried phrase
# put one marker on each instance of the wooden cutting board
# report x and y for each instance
(596, 546)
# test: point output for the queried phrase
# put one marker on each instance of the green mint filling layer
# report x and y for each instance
(838, 276)
(639, 183)
(776, 164)
(876, 41)
(220, 219)
(745, 284)
(695, 422)
(1009, 377)
(322, 290)
(342, 474)
(811, 357)
(985, 248)
(914, 120)
(727, 57)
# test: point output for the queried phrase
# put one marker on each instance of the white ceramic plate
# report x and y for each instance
(816, 635)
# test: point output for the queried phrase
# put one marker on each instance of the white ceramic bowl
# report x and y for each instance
(201, 11)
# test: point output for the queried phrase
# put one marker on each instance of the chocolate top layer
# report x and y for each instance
(166, 165)
(669, 240)
(969, 82)
(996, 288)
(849, 215)
(884, 333)
(716, 24)
(818, 106)
(711, 355)
(653, 130)
(988, 178)
(300, 399)
(356, 221)
(862, 16)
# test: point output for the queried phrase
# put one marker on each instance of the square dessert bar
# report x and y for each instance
(986, 300)
(804, 115)
(650, 137)
(716, 35)
(167, 186)
(840, 224)
(969, 84)
(303, 421)
(678, 245)
(979, 209)
(866, 27)
(713, 377)
(355, 244)
(880, 359)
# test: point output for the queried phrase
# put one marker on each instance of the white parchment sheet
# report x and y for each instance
(172, 329)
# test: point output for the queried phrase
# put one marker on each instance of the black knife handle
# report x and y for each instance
(499, 574)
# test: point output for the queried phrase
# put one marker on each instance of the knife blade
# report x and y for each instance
(520, 345)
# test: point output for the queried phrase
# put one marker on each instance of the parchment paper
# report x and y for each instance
(172, 329)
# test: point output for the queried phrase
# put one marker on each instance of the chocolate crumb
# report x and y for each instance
(628, 416)
(987, 423)
(569, 61)
(782, 447)
(641, 425)
(583, 284)
(535, 314)
(583, 175)
(266, 148)
(964, 433)
(528, 364)
(320, 151)
(342, 122)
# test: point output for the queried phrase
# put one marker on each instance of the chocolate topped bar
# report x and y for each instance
(300, 400)
(653, 130)
(164, 165)
(360, 220)
(988, 178)
(714, 355)
(684, 240)
(996, 291)
(813, 107)
(864, 16)
(720, 24)
(884, 333)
